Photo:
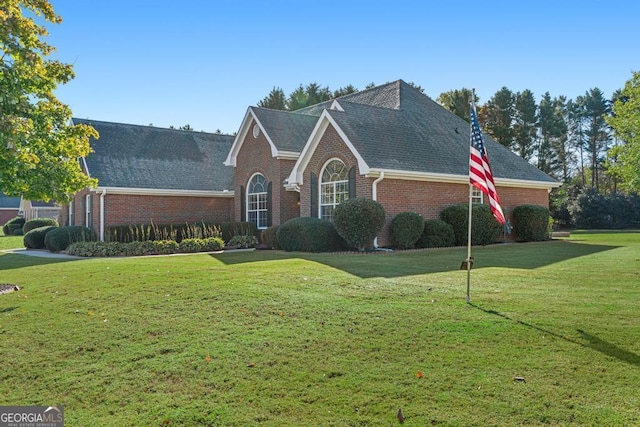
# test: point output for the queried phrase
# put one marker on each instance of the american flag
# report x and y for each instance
(479, 170)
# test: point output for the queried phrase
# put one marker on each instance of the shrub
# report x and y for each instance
(406, 229)
(358, 221)
(18, 232)
(531, 223)
(593, 210)
(37, 223)
(59, 239)
(140, 248)
(96, 249)
(243, 242)
(269, 237)
(34, 239)
(485, 230)
(436, 234)
(12, 225)
(308, 234)
(211, 244)
(190, 245)
(178, 232)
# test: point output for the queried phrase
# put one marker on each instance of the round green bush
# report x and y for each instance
(306, 234)
(59, 239)
(34, 239)
(485, 230)
(37, 223)
(531, 223)
(406, 229)
(436, 234)
(12, 225)
(269, 237)
(358, 221)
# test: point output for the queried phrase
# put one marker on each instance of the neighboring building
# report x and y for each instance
(390, 143)
(9, 208)
(147, 174)
(39, 209)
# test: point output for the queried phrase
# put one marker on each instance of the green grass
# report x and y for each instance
(11, 242)
(271, 338)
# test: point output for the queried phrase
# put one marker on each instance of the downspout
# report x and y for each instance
(104, 192)
(374, 196)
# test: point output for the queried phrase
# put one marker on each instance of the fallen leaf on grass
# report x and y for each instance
(207, 358)
(419, 374)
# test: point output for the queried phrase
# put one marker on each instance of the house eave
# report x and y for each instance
(287, 155)
(457, 179)
(132, 191)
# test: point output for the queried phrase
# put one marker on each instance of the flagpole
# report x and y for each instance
(473, 105)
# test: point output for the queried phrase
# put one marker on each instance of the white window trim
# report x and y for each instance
(321, 184)
(88, 218)
(477, 196)
(265, 211)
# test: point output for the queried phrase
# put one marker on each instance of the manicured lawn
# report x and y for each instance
(271, 338)
(11, 242)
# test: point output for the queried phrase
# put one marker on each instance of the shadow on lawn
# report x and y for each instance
(593, 342)
(408, 263)
(10, 261)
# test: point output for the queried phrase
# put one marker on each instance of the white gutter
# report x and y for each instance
(104, 192)
(374, 196)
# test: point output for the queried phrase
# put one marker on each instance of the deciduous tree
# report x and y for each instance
(39, 147)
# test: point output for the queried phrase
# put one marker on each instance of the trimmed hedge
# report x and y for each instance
(358, 221)
(531, 223)
(243, 242)
(37, 223)
(306, 234)
(10, 227)
(406, 229)
(485, 230)
(34, 238)
(179, 232)
(269, 237)
(436, 234)
(59, 239)
(155, 247)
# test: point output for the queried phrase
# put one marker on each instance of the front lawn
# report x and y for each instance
(271, 338)
(11, 242)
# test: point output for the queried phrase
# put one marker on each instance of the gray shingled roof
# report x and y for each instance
(9, 202)
(396, 127)
(156, 158)
(289, 131)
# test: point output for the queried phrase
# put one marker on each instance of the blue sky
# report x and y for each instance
(203, 62)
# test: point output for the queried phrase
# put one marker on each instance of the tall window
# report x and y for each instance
(476, 195)
(72, 212)
(334, 187)
(257, 201)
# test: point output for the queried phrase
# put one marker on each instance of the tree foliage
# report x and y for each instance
(38, 145)
(525, 124)
(497, 116)
(457, 101)
(625, 122)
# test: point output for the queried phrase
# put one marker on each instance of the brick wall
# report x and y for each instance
(255, 157)
(120, 209)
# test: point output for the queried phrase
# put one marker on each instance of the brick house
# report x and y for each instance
(147, 174)
(9, 208)
(390, 143)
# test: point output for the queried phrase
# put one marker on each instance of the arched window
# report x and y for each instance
(257, 201)
(334, 187)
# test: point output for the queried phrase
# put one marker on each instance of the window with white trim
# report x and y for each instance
(88, 211)
(334, 187)
(476, 195)
(257, 201)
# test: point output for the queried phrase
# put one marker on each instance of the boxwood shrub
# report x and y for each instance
(531, 223)
(269, 237)
(38, 222)
(406, 229)
(34, 238)
(59, 239)
(10, 227)
(436, 234)
(358, 221)
(308, 234)
(485, 230)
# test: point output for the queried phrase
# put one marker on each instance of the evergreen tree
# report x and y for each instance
(497, 116)
(597, 131)
(525, 124)
(275, 100)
